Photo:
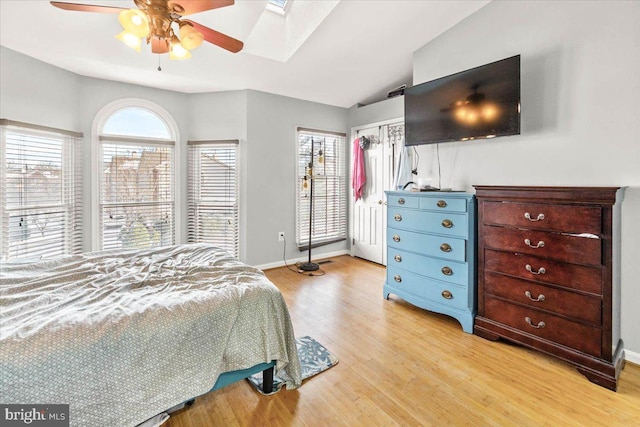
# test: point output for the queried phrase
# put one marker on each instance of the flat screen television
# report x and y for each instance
(483, 102)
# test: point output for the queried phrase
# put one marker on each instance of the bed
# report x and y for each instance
(124, 335)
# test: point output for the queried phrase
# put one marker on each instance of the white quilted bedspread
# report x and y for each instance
(122, 336)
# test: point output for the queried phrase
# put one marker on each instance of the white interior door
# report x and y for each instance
(368, 240)
(369, 219)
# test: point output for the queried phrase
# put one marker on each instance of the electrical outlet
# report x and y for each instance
(281, 236)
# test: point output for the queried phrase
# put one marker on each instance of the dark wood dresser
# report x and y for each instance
(548, 273)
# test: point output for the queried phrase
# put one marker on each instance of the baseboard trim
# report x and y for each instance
(632, 357)
(302, 259)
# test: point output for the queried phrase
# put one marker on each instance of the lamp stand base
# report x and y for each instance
(309, 266)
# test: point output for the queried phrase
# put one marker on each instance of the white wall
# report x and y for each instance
(387, 109)
(580, 109)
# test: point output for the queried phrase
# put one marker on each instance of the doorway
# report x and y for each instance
(369, 214)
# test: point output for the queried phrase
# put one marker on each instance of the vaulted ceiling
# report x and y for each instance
(337, 52)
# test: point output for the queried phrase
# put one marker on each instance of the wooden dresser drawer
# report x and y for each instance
(569, 304)
(572, 276)
(445, 223)
(443, 293)
(562, 243)
(565, 218)
(438, 246)
(562, 247)
(403, 201)
(544, 325)
(436, 268)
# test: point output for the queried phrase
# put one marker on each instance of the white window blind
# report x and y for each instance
(213, 214)
(137, 200)
(40, 192)
(325, 151)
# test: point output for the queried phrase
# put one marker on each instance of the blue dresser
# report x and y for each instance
(431, 252)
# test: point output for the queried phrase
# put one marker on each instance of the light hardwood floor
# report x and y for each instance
(400, 365)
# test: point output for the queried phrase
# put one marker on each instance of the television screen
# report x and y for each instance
(483, 102)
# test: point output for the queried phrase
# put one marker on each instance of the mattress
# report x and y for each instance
(123, 335)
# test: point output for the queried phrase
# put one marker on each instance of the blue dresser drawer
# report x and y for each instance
(436, 268)
(434, 290)
(450, 224)
(431, 252)
(445, 247)
(403, 201)
(448, 204)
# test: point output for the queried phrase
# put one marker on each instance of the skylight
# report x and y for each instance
(278, 6)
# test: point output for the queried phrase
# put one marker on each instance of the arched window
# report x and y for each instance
(135, 171)
(136, 122)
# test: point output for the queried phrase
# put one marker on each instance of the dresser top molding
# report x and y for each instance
(575, 195)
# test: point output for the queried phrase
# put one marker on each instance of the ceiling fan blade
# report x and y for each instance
(194, 6)
(87, 7)
(217, 38)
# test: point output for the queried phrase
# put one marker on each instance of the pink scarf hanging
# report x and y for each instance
(358, 175)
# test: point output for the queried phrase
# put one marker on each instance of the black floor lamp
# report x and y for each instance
(310, 266)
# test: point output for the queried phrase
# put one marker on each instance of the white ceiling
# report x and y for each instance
(337, 52)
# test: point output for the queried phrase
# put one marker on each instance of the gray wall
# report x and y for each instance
(222, 115)
(271, 178)
(35, 92)
(38, 93)
(94, 95)
(580, 109)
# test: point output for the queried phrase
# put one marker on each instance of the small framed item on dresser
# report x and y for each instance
(549, 273)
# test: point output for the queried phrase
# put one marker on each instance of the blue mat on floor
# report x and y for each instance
(314, 358)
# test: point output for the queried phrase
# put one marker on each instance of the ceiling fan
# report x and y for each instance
(157, 22)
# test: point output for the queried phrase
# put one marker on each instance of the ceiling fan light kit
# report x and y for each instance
(130, 40)
(155, 20)
(190, 38)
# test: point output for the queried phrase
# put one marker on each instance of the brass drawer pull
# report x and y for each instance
(397, 217)
(445, 247)
(398, 258)
(441, 204)
(540, 297)
(540, 324)
(396, 238)
(447, 271)
(447, 294)
(540, 244)
(401, 201)
(540, 217)
(447, 223)
(541, 270)
(397, 278)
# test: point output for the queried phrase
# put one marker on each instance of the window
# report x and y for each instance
(40, 192)
(278, 6)
(136, 169)
(213, 194)
(326, 179)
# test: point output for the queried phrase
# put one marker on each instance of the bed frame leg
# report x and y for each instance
(267, 380)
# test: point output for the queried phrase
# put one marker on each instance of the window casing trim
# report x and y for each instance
(63, 149)
(193, 188)
(338, 228)
(96, 131)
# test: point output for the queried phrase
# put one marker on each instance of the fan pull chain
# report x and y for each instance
(159, 67)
